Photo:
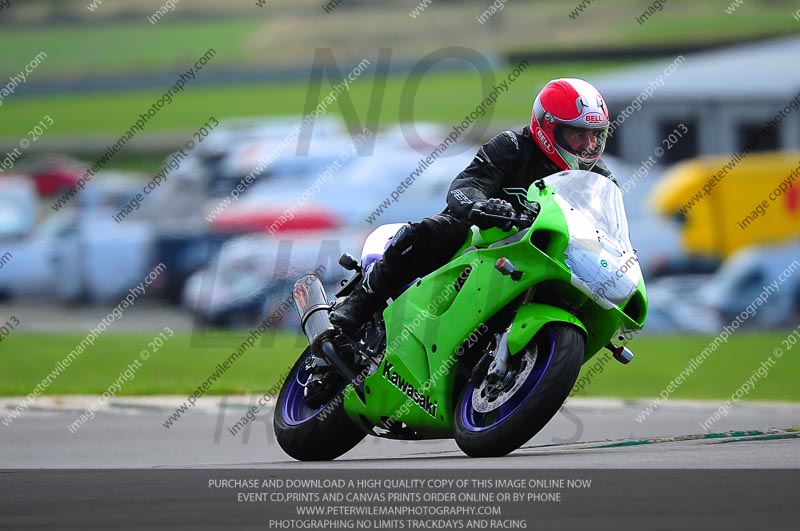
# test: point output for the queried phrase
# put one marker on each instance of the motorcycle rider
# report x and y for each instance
(568, 130)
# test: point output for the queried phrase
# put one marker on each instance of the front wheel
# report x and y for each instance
(307, 434)
(547, 370)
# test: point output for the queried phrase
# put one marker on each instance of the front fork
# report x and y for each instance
(499, 367)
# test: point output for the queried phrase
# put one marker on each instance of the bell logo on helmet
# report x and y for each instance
(546, 145)
(593, 118)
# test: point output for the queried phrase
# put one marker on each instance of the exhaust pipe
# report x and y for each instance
(314, 310)
(312, 306)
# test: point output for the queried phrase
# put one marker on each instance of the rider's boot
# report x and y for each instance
(367, 298)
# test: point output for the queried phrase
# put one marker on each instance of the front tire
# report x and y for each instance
(312, 435)
(501, 431)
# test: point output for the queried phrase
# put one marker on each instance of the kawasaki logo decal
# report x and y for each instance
(423, 401)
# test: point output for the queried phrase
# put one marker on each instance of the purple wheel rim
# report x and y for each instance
(477, 422)
(294, 410)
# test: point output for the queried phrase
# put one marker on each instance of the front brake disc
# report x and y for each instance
(487, 398)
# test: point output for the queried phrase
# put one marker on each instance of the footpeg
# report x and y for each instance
(349, 262)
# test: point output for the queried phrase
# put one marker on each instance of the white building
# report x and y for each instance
(723, 97)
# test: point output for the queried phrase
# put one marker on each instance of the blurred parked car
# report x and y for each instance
(111, 190)
(183, 254)
(53, 174)
(98, 260)
(675, 306)
(30, 269)
(77, 256)
(746, 274)
(254, 217)
(253, 275)
(54, 180)
(237, 146)
(353, 193)
(17, 207)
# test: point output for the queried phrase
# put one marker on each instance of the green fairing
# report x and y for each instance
(531, 318)
(427, 325)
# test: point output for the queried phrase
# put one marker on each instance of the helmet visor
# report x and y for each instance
(582, 142)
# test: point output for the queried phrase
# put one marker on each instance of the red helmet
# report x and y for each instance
(570, 123)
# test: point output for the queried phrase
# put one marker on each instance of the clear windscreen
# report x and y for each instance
(599, 254)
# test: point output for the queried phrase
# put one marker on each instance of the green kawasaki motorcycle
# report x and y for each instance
(486, 348)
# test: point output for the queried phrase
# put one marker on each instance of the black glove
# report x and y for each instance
(495, 207)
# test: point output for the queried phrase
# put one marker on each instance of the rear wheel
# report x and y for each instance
(309, 434)
(547, 369)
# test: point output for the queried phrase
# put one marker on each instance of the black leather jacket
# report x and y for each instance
(504, 168)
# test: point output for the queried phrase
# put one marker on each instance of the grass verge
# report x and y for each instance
(443, 97)
(183, 363)
(661, 359)
(177, 368)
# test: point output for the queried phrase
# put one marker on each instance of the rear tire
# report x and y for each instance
(309, 435)
(497, 433)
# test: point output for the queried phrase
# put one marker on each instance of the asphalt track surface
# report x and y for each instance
(659, 474)
(586, 434)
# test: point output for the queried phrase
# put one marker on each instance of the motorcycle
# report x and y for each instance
(486, 348)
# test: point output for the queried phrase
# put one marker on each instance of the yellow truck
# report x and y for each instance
(729, 202)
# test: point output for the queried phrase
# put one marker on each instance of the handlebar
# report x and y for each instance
(522, 221)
